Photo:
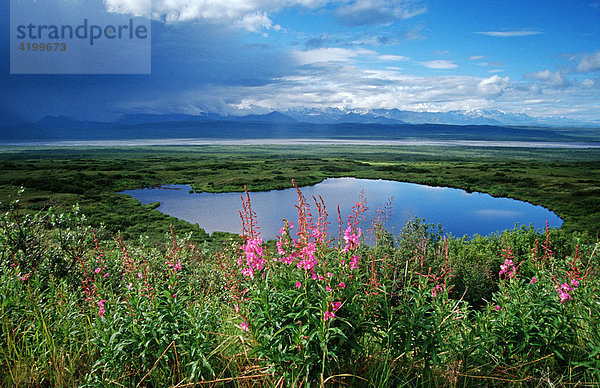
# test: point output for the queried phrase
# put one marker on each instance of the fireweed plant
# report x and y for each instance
(303, 305)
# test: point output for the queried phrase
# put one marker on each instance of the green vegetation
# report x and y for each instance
(98, 290)
(79, 308)
(563, 180)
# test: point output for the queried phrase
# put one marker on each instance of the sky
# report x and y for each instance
(237, 57)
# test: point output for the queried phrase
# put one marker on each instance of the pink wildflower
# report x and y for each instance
(328, 289)
(307, 255)
(97, 270)
(533, 280)
(351, 239)
(244, 326)
(354, 262)
(508, 268)
(563, 292)
(574, 283)
(436, 289)
(101, 310)
(298, 284)
(254, 257)
(342, 285)
(328, 315)
(280, 249)
(177, 266)
(336, 305)
(289, 259)
(564, 296)
(129, 286)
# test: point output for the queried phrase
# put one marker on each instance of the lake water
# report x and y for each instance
(456, 210)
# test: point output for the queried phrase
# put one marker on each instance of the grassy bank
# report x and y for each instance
(563, 180)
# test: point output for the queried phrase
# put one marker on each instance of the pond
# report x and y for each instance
(459, 212)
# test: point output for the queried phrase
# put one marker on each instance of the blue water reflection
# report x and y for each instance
(459, 212)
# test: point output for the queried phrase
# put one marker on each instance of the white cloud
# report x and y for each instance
(366, 12)
(256, 21)
(328, 54)
(509, 34)
(493, 86)
(393, 58)
(589, 62)
(476, 57)
(588, 83)
(439, 64)
(134, 7)
(555, 80)
(339, 84)
(251, 15)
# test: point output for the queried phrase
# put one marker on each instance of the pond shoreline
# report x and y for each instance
(460, 212)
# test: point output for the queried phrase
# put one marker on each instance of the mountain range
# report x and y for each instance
(323, 116)
(312, 123)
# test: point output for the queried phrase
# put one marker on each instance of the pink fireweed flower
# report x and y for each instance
(328, 315)
(508, 268)
(336, 305)
(140, 275)
(436, 289)
(236, 308)
(298, 284)
(342, 285)
(253, 257)
(288, 260)
(244, 326)
(329, 274)
(307, 259)
(564, 296)
(97, 270)
(533, 280)
(328, 289)
(563, 292)
(574, 283)
(129, 286)
(280, 249)
(105, 275)
(351, 239)
(101, 310)
(177, 266)
(354, 262)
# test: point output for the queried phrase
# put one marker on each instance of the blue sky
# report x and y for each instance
(541, 58)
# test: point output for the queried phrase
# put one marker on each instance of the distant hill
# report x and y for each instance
(331, 123)
(132, 119)
(273, 117)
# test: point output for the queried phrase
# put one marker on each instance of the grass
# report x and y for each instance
(562, 180)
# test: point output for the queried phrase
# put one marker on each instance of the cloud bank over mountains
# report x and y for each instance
(241, 57)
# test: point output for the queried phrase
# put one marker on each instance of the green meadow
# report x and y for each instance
(99, 290)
